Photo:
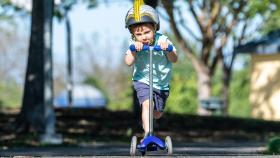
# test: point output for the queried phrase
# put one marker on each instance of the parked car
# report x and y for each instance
(83, 95)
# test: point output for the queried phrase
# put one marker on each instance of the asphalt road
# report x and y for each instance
(106, 149)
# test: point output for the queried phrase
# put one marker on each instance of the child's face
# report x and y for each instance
(144, 33)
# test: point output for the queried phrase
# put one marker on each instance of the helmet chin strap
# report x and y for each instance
(153, 41)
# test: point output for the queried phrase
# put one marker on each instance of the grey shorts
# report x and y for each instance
(143, 93)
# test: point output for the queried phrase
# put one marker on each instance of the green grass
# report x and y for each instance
(10, 95)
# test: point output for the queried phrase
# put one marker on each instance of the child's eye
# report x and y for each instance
(147, 32)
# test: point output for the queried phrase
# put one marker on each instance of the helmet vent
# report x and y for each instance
(137, 5)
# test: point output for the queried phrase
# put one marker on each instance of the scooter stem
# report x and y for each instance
(151, 105)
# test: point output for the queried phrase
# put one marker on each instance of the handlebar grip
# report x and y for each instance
(169, 48)
(133, 48)
(147, 47)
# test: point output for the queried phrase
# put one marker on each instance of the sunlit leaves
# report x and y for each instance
(67, 5)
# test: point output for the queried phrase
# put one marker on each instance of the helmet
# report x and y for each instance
(147, 15)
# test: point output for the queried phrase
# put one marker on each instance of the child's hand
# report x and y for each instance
(163, 45)
(138, 46)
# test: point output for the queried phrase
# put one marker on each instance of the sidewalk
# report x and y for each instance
(229, 149)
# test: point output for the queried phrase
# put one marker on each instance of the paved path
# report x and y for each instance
(246, 149)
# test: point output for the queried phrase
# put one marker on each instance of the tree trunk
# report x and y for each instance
(227, 72)
(204, 88)
(70, 82)
(226, 91)
(152, 3)
(37, 111)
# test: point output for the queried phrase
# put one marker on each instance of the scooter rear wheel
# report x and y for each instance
(168, 143)
(133, 146)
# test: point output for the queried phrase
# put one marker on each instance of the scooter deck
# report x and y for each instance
(151, 143)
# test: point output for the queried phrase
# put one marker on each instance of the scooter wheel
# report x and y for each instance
(169, 146)
(133, 146)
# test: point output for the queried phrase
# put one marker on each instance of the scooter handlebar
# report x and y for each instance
(147, 47)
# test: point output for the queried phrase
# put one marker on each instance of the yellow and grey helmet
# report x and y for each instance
(146, 14)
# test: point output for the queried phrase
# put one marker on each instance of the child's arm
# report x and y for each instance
(129, 58)
(130, 55)
(171, 56)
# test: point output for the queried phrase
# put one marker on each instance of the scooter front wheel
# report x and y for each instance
(169, 146)
(133, 146)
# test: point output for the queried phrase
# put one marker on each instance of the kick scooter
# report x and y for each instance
(151, 142)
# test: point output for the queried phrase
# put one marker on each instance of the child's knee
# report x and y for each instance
(157, 114)
(145, 105)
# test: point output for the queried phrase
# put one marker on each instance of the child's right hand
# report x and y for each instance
(138, 46)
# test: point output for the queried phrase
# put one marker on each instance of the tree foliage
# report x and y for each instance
(9, 9)
(217, 26)
(270, 12)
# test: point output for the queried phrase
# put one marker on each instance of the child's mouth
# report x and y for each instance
(146, 42)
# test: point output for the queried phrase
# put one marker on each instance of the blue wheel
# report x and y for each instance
(133, 146)
(169, 146)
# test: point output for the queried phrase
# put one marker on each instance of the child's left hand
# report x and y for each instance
(163, 45)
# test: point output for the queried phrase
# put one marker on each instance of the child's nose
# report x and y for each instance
(145, 37)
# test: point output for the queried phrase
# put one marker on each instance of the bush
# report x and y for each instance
(183, 90)
(274, 145)
(239, 94)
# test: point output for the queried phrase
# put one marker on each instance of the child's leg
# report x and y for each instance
(145, 116)
(159, 99)
(157, 114)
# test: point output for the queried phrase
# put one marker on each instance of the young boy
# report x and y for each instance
(143, 32)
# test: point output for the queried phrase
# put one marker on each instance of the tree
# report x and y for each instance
(218, 22)
(152, 3)
(37, 109)
(62, 12)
